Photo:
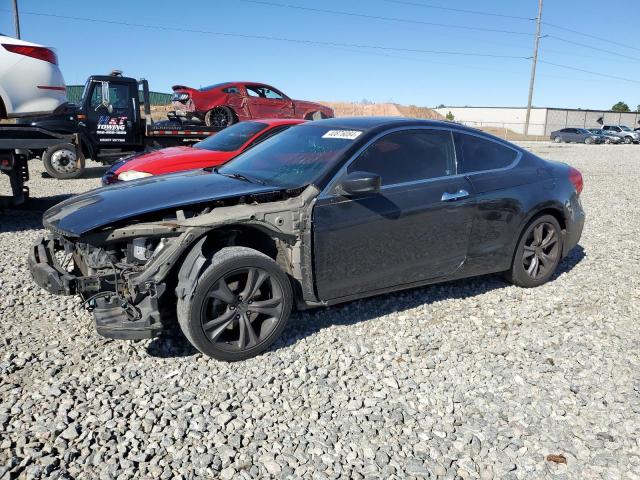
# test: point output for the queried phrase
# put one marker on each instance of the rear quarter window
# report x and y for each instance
(480, 154)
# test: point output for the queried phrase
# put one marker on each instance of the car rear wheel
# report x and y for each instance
(607, 141)
(538, 253)
(219, 117)
(240, 305)
(63, 162)
(557, 140)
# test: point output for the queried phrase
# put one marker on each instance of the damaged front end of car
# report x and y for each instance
(127, 272)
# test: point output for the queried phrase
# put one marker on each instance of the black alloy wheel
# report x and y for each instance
(219, 117)
(538, 253)
(242, 309)
(240, 305)
(541, 251)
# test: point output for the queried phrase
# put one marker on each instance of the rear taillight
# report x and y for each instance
(575, 177)
(41, 53)
(180, 97)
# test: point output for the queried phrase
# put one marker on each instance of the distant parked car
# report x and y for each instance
(578, 135)
(211, 152)
(627, 135)
(607, 137)
(224, 104)
(30, 81)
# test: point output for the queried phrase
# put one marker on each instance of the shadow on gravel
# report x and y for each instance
(27, 216)
(171, 343)
(89, 172)
(304, 324)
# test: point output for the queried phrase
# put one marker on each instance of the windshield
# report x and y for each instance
(625, 128)
(231, 138)
(294, 158)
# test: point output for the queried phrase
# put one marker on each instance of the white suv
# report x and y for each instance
(30, 81)
(624, 132)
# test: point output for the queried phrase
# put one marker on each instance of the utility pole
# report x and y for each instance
(533, 67)
(16, 18)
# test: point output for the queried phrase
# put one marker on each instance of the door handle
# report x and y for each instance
(450, 197)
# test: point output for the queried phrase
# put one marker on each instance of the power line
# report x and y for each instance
(589, 71)
(320, 43)
(576, 32)
(591, 47)
(459, 10)
(279, 39)
(390, 19)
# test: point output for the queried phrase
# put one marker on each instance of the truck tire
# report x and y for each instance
(234, 304)
(62, 161)
(220, 117)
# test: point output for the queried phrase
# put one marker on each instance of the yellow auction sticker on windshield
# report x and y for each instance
(343, 134)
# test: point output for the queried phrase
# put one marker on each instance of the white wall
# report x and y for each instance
(499, 117)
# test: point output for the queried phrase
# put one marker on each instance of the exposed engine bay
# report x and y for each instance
(124, 272)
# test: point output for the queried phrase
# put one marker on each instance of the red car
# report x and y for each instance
(211, 152)
(224, 104)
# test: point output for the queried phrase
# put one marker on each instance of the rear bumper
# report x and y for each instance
(575, 224)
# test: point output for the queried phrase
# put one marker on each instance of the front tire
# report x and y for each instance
(628, 140)
(219, 117)
(63, 161)
(538, 253)
(588, 140)
(557, 140)
(240, 305)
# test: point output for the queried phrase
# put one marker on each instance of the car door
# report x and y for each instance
(111, 117)
(571, 135)
(267, 102)
(500, 181)
(416, 228)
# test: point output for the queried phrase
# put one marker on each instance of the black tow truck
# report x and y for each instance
(113, 120)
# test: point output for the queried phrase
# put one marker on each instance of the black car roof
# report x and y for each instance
(382, 123)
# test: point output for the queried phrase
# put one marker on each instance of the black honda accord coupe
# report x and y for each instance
(323, 213)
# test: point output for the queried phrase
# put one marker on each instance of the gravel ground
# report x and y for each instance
(469, 379)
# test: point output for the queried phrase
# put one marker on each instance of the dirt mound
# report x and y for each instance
(353, 109)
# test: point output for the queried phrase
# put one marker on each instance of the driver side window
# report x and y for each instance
(408, 156)
(262, 92)
(96, 95)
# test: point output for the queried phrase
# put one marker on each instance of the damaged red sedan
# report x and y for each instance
(224, 104)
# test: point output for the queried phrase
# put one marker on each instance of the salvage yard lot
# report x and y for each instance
(475, 378)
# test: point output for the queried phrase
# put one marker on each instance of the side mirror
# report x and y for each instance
(359, 183)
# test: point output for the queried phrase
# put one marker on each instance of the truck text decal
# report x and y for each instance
(112, 125)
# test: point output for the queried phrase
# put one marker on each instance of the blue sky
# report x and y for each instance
(167, 57)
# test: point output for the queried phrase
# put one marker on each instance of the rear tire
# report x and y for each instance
(240, 304)
(219, 117)
(63, 162)
(538, 253)
(557, 140)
